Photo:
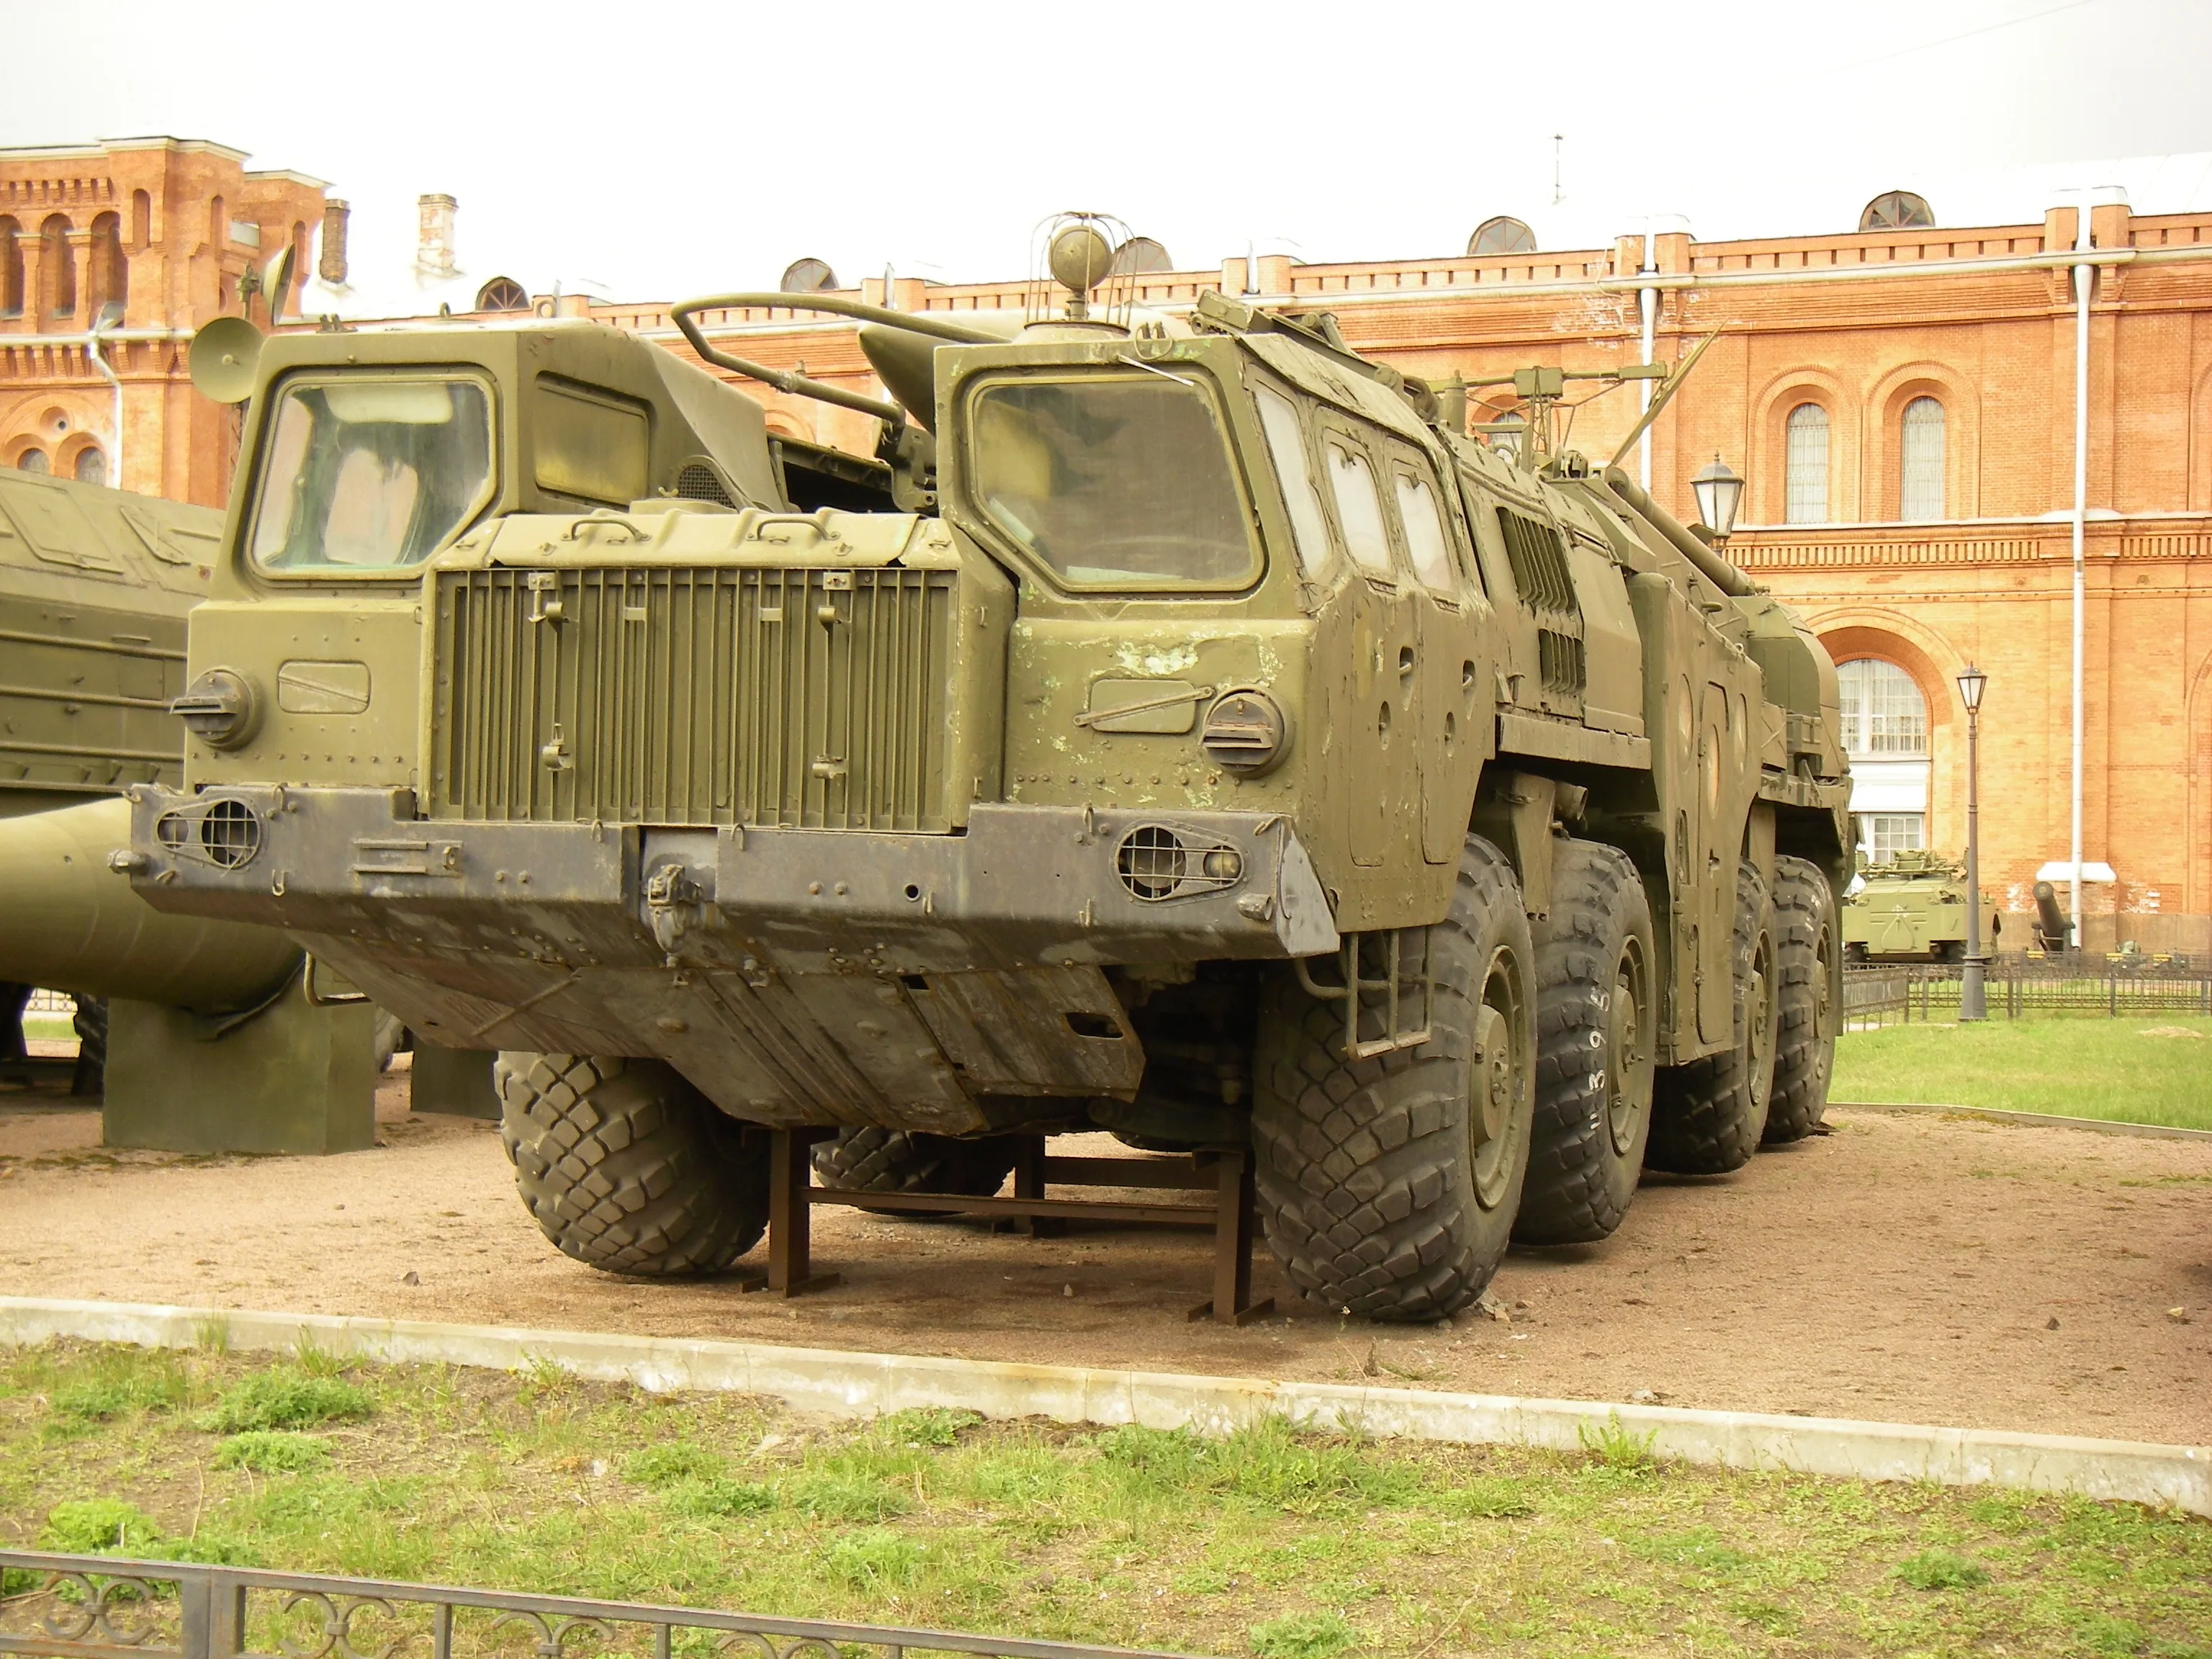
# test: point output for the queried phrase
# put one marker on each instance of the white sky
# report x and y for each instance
(663, 149)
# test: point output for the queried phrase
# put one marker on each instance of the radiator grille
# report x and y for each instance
(803, 698)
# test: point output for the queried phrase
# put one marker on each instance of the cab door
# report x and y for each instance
(1381, 749)
(1448, 636)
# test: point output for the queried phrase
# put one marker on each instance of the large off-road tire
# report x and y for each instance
(1806, 1014)
(1707, 1116)
(1596, 1028)
(627, 1166)
(89, 1080)
(872, 1160)
(1389, 1185)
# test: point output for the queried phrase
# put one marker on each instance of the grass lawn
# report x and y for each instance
(1277, 1545)
(2129, 1070)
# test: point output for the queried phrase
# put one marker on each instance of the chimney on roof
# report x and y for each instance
(331, 267)
(434, 239)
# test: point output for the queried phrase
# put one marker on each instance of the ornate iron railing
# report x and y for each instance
(1898, 994)
(76, 1606)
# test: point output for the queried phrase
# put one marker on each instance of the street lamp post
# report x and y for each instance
(1718, 492)
(1972, 1004)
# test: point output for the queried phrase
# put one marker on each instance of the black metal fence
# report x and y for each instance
(75, 1607)
(2016, 988)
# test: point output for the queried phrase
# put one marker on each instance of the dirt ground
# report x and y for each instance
(1900, 1269)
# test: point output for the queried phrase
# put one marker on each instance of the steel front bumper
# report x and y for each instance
(796, 976)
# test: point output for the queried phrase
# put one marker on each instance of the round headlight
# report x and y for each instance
(221, 709)
(1245, 732)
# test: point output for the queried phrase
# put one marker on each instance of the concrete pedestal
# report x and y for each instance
(296, 1078)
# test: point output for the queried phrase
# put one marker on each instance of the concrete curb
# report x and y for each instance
(2037, 1120)
(864, 1384)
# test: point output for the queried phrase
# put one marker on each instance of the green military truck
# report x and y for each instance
(1911, 907)
(1179, 726)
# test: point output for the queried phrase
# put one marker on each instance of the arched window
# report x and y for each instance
(502, 293)
(142, 220)
(1886, 739)
(1885, 716)
(92, 465)
(1805, 466)
(808, 276)
(1501, 235)
(108, 273)
(1897, 210)
(35, 459)
(1920, 461)
(57, 270)
(11, 268)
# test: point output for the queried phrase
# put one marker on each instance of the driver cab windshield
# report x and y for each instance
(371, 474)
(1120, 482)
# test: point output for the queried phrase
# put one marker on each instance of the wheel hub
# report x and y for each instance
(1496, 1083)
(1492, 1095)
(1624, 1026)
(1759, 1035)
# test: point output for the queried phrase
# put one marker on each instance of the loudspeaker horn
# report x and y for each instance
(224, 355)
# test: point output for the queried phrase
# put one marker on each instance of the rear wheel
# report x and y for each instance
(1707, 1116)
(874, 1160)
(628, 1168)
(1595, 1025)
(1389, 1185)
(1804, 1001)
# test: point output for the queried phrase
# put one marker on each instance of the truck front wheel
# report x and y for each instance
(628, 1168)
(1389, 1185)
(1707, 1116)
(1596, 1024)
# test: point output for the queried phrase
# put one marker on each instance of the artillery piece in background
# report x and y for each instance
(1911, 907)
(199, 1035)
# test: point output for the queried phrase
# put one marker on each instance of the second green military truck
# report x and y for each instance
(1176, 725)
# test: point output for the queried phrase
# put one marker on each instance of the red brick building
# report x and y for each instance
(111, 255)
(1901, 401)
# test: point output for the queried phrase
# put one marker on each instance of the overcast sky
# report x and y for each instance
(661, 149)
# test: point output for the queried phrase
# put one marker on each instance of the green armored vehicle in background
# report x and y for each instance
(1911, 907)
(1178, 725)
(94, 586)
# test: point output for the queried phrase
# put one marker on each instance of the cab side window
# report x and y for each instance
(1426, 540)
(1286, 446)
(1359, 506)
